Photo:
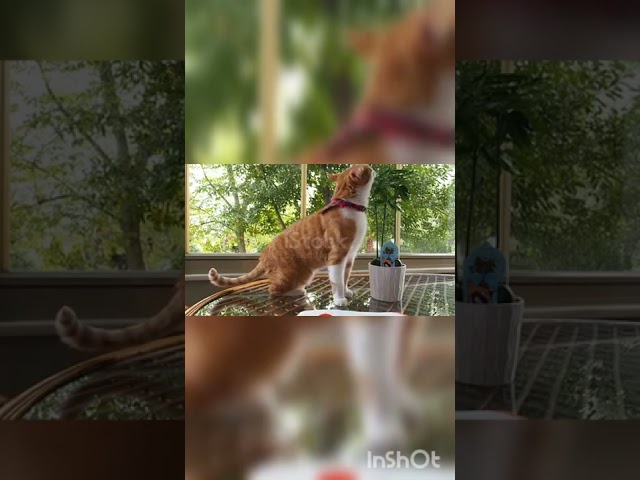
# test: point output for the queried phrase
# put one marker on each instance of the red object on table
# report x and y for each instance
(337, 475)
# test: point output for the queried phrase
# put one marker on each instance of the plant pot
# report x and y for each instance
(487, 340)
(387, 283)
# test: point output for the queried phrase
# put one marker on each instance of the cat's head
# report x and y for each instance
(354, 183)
(411, 59)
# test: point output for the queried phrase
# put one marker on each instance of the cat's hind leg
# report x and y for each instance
(284, 290)
(290, 284)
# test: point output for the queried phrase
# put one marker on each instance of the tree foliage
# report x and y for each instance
(572, 205)
(240, 208)
(97, 160)
(223, 67)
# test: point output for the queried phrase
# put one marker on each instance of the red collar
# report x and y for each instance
(340, 203)
(387, 124)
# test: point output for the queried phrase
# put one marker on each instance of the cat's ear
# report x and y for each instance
(333, 177)
(363, 42)
(437, 26)
(357, 173)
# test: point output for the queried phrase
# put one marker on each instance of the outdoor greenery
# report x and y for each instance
(319, 77)
(576, 182)
(389, 191)
(97, 175)
(240, 208)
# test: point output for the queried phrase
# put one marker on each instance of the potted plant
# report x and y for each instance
(490, 124)
(386, 271)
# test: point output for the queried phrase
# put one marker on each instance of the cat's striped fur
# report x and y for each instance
(324, 239)
(81, 336)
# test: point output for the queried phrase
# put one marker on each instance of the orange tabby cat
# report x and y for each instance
(406, 113)
(81, 336)
(410, 60)
(233, 365)
(328, 238)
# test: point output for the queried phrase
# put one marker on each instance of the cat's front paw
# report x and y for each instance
(340, 301)
(348, 293)
(386, 437)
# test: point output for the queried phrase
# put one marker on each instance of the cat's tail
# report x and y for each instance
(221, 281)
(81, 336)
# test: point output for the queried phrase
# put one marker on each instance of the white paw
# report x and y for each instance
(386, 437)
(348, 293)
(340, 301)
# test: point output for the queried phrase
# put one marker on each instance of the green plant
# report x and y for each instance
(491, 121)
(391, 187)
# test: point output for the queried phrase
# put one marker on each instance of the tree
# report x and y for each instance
(568, 207)
(97, 151)
(240, 208)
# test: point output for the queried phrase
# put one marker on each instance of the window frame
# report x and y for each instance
(5, 163)
(544, 286)
(304, 200)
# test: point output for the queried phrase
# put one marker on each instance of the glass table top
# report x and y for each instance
(424, 295)
(148, 386)
(568, 369)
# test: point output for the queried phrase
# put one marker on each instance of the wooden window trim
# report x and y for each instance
(268, 83)
(5, 196)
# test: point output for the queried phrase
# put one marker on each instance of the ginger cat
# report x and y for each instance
(232, 367)
(81, 336)
(328, 238)
(406, 113)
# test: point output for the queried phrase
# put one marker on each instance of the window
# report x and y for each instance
(240, 208)
(428, 223)
(575, 201)
(573, 198)
(221, 74)
(95, 166)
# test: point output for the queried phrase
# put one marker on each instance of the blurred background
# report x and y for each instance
(572, 164)
(92, 206)
(572, 30)
(268, 79)
(548, 171)
(92, 29)
(95, 168)
(549, 450)
(316, 422)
